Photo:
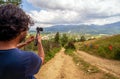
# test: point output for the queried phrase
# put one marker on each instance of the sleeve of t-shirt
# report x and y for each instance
(34, 64)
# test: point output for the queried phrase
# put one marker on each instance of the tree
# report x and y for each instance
(82, 39)
(57, 38)
(15, 2)
(70, 45)
(64, 40)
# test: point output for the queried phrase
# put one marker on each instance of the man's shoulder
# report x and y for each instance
(33, 62)
(22, 55)
(32, 55)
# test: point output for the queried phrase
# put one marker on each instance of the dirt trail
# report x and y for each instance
(60, 67)
(109, 66)
(63, 67)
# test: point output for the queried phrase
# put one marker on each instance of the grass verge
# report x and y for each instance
(50, 54)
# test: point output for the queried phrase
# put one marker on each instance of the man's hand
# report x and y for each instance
(39, 38)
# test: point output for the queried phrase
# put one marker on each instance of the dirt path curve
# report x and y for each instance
(60, 67)
(108, 66)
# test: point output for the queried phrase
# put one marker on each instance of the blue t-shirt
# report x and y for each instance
(18, 64)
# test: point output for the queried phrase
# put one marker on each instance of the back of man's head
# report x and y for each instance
(13, 20)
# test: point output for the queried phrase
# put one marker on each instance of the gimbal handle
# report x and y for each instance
(36, 38)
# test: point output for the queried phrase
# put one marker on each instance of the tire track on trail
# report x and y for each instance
(69, 70)
(109, 66)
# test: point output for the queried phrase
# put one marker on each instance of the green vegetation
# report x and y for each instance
(70, 47)
(57, 38)
(50, 54)
(82, 39)
(107, 47)
(50, 48)
(15, 2)
(64, 40)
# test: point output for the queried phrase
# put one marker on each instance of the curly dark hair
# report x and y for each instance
(13, 20)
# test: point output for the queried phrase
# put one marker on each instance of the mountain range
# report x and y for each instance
(113, 28)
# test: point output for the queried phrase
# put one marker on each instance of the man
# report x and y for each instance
(15, 63)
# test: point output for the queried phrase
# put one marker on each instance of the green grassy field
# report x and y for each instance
(107, 47)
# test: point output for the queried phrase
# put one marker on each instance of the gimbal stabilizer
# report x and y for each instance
(38, 29)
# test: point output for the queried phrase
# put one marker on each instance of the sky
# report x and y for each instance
(46, 13)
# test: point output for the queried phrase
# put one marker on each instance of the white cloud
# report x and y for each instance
(55, 17)
(103, 21)
(76, 11)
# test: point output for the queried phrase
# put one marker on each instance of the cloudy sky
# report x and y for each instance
(64, 12)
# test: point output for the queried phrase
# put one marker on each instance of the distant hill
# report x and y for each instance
(113, 28)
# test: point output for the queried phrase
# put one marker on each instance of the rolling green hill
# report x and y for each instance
(107, 47)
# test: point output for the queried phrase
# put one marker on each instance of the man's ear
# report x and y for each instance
(22, 36)
(24, 33)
